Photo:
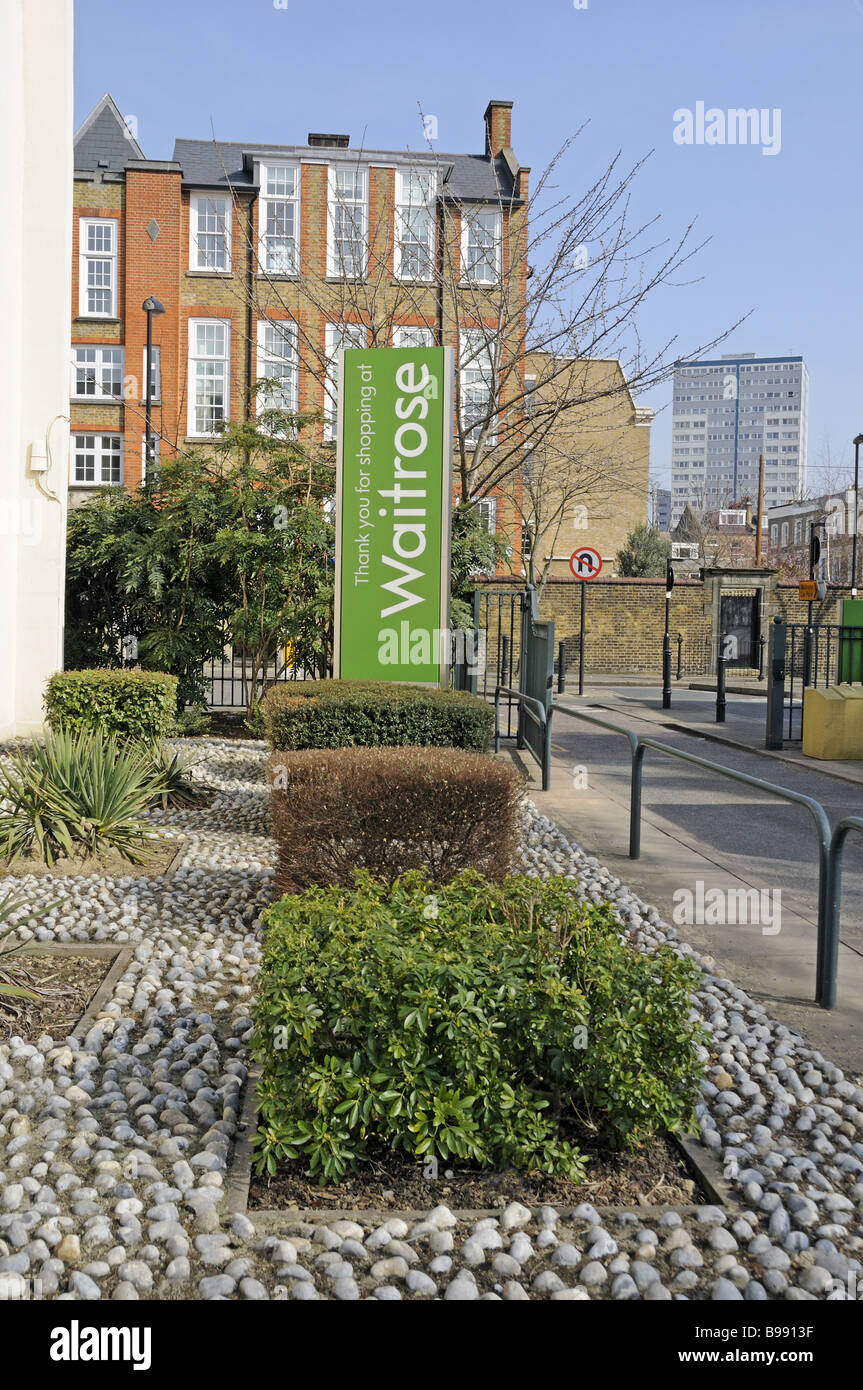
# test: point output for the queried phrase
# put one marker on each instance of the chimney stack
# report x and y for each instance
(498, 127)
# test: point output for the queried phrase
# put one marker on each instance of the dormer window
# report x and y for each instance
(210, 233)
(348, 223)
(280, 218)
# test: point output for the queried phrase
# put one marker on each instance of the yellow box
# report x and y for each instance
(833, 722)
(824, 713)
(853, 697)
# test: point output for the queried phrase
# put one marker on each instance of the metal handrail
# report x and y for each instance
(543, 721)
(635, 784)
(826, 953)
(840, 834)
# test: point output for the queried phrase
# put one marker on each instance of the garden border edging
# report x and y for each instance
(704, 1168)
(122, 953)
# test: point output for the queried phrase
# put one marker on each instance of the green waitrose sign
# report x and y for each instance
(393, 492)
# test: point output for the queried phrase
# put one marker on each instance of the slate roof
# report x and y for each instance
(104, 135)
(466, 177)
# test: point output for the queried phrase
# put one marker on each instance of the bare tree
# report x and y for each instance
(567, 277)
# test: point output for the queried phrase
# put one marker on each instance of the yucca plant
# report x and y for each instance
(76, 793)
(170, 775)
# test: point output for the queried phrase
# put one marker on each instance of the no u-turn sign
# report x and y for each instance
(585, 562)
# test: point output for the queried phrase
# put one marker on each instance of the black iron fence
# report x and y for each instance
(228, 682)
(498, 620)
(697, 656)
(818, 655)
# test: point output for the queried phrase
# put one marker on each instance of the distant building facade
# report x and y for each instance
(587, 483)
(723, 538)
(789, 528)
(727, 412)
(268, 260)
(660, 515)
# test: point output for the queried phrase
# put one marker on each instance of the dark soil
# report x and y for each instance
(652, 1174)
(225, 725)
(62, 985)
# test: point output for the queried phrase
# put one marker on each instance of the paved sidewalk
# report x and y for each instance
(778, 968)
(740, 729)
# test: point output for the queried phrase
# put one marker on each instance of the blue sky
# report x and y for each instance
(785, 229)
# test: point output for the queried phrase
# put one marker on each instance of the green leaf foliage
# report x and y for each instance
(76, 794)
(132, 704)
(644, 554)
(476, 1022)
(344, 714)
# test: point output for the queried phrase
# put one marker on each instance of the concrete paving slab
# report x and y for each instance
(778, 967)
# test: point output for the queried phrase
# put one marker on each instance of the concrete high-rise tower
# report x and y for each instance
(726, 412)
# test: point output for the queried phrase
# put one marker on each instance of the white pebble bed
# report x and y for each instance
(113, 1149)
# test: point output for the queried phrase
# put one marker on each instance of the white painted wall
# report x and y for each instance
(35, 308)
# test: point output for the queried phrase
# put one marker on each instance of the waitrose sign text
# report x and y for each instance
(393, 492)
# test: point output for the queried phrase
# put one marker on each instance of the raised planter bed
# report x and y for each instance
(92, 971)
(161, 861)
(694, 1178)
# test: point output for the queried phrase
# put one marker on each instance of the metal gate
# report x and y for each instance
(492, 657)
(537, 681)
(739, 626)
(818, 655)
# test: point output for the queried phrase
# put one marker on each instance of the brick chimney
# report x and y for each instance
(498, 127)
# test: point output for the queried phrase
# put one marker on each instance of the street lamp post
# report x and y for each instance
(857, 442)
(150, 306)
(666, 640)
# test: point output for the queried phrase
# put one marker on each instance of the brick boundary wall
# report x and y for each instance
(625, 618)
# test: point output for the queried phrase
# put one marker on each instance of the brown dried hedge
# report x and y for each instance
(388, 810)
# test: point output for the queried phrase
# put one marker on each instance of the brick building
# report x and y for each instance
(832, 517)
(725, 537)
(267, 259)
(587, 483)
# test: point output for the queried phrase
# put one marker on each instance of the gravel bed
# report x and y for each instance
(113, 1149)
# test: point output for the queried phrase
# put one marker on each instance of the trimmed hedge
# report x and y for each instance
(368, 714)
(484, 1023)
(390, 809)
(131, 704)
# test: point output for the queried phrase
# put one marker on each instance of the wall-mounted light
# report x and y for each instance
(39, 456)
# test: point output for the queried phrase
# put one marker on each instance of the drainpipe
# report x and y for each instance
(250, 296)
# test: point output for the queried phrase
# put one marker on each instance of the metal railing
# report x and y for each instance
(819, 655)
(526, 705)
(227, 684)
(829, 848)
(840, 834)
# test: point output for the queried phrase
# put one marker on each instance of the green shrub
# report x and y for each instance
(388, 810)
(254, 722)
(78, 793)
(190, 721)
(132, 704)
(475, 1022)
(342, 714)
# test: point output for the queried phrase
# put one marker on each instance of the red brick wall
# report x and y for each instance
(152, 267)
